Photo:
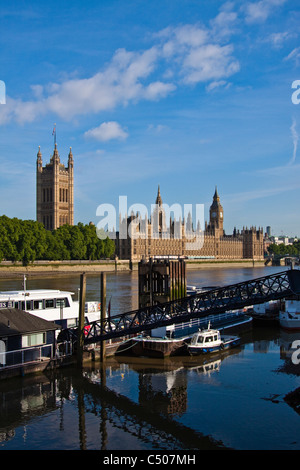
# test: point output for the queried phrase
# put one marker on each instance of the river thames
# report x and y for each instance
(239, 400)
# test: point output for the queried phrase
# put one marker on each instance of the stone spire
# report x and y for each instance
(39, 161)
(158, 198)
(216, 199)
(55, 157)
(70, 158)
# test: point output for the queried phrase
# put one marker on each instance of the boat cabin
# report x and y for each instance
(207, 337)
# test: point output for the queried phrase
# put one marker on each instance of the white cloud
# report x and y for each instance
(194, 55)
(225, 23)
(209, 62)
(157, 128)
(277, 39)
(188, 54)
(157, 90)
(107, 131)
(258, 12)
(218, 84)
(120, 82)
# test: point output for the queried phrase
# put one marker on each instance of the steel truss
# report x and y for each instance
(215, 301)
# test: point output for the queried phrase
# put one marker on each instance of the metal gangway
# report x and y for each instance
(210, 302)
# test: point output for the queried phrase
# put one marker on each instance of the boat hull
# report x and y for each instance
(158, 347)
(291, 325)
(265, 320)
(289, 321)
(289, 314)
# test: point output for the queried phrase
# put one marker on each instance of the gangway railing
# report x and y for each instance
(215, 301)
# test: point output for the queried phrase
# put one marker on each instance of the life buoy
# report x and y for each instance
(86, 330)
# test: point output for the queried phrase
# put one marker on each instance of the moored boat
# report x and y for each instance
(266, 314)
(157, 347)
(50, 304)
(210, 340)
(289, 313)
(173, 339)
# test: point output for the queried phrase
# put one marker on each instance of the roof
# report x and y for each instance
(14, 322)
(32, 294)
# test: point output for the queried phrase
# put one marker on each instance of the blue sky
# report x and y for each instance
(185, 94)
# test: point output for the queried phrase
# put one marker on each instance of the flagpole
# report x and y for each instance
(54, 133)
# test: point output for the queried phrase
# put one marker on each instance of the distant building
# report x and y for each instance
(55, 191)
(157, 238)
(282, 240)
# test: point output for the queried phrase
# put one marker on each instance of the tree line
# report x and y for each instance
(284, 250)
(28, 241)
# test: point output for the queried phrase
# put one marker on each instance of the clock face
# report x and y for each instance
(221, 214)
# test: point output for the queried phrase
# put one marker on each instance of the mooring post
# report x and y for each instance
(103, 313)
(80, 334)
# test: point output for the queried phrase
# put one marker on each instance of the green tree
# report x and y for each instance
(10, 232)
(109, 248)
(28, 241)
(90, 240)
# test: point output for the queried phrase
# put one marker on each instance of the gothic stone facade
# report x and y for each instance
(55, 191)
(244, 244)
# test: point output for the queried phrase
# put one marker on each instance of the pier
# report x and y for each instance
(210, 302)
(161, 280)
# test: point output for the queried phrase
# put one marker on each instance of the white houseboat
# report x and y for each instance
(52, 305)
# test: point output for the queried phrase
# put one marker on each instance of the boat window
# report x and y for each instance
(209, 339)
(62, 302)
(49, 303)
(215, 337)
(16, 304)
(71, 322)
(33, 339)
(28, 305)
(200, 339)
(37, 304)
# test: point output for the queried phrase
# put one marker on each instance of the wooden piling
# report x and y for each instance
(80, 334)
(103, 314)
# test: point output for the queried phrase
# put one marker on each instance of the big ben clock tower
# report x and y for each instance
(216, 214)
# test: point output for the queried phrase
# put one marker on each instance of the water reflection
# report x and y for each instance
(245, 398)
(22, 401)
(130, 403)
(152, 425)
(33, 398)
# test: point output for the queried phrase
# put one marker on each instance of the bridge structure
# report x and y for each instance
(276, 260)
(210, 302)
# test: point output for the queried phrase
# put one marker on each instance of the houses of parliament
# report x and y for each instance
(55, 207)
(212, 240)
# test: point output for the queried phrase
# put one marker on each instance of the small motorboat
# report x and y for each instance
(209, 341)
